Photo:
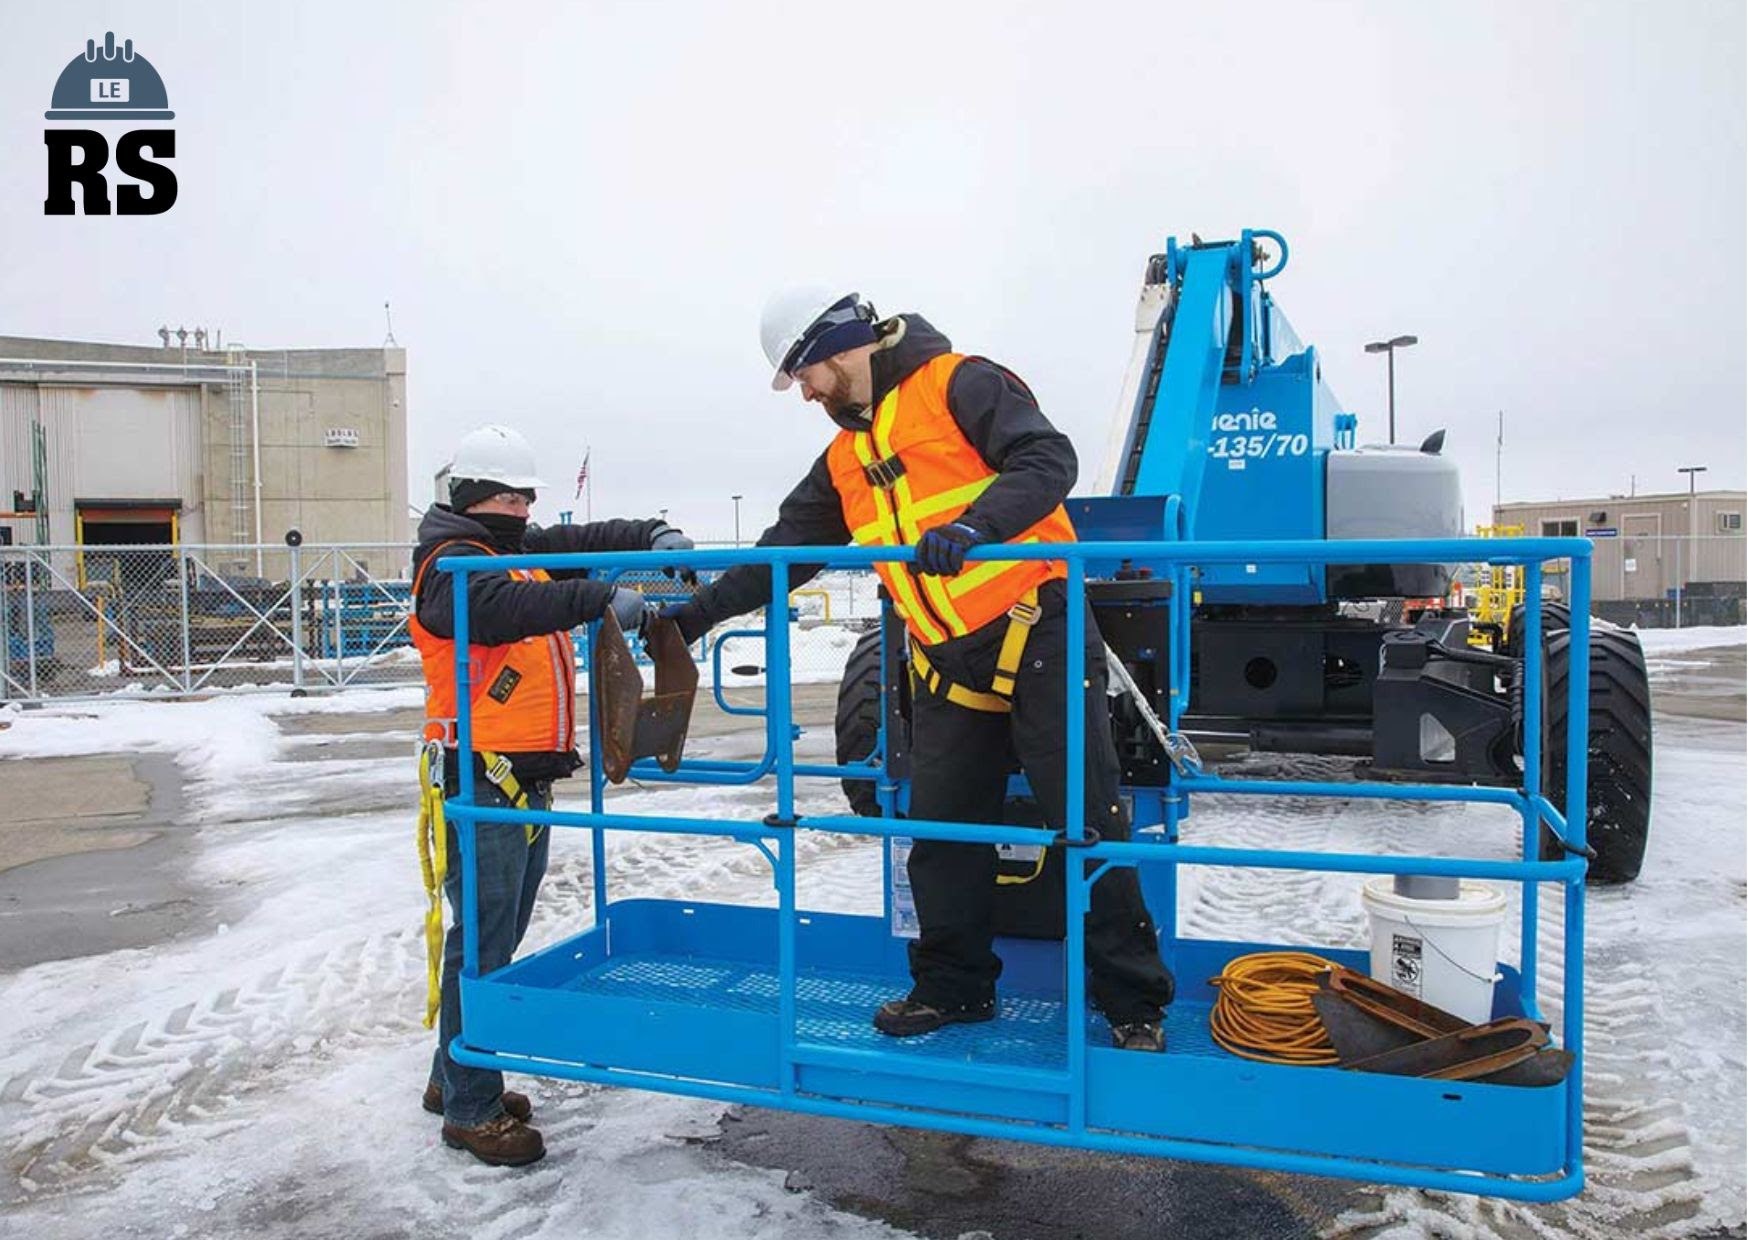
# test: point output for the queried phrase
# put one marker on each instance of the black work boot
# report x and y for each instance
(503, 1142)
(1138, 1035)
(905, 1018)
(513, 1103)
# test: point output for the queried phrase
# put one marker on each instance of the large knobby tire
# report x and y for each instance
(1555, 617)
(858, 719)
(1618, 790)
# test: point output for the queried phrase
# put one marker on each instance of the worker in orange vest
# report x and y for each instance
(522, 675)
(945, 453)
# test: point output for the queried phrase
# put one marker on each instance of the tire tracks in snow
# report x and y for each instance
(190, 1074)
(1641, 1178)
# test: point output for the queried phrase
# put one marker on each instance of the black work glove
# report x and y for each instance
(690, 617)
(941, 551)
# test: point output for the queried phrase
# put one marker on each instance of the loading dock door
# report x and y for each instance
(104, 529)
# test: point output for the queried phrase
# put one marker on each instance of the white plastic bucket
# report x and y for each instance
(1444, 952)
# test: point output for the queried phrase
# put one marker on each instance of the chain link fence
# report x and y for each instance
(184, 620)
(1658, 581)
(180, 620)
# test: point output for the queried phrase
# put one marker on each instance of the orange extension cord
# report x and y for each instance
(1263, 1010)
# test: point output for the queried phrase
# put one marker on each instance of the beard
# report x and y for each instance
(837, 399)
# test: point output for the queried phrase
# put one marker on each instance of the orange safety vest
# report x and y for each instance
(524, 694)
(913, 469)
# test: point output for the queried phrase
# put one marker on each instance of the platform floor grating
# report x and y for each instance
(835, 1009)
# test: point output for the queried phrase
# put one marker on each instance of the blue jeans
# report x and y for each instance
(509, 870)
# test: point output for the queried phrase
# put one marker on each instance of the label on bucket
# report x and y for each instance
(1405, 964)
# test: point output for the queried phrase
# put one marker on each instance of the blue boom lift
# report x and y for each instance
(1227, 415)
(1242, 520)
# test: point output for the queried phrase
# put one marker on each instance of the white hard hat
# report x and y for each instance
(495, 454)
(797, 314)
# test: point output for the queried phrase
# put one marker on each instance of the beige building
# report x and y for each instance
(121, 444)
(1646, 546)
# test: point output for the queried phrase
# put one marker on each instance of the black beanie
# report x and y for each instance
(464, 493)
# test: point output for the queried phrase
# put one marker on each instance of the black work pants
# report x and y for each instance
(960, 763)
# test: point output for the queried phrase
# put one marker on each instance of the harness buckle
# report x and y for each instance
(499, 770)
(884, 473)
(1025, 613)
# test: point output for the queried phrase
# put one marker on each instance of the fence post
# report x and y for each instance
(297, 689)
(6, 627)
(30, 620)
(187, 620)
(339, 633)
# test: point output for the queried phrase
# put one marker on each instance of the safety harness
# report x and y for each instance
(433, 839)
(1022, 616)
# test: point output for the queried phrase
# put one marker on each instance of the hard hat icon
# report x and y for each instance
(108, 83)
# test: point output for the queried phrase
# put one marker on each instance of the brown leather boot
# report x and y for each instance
(503, 1142)
(513, 1103)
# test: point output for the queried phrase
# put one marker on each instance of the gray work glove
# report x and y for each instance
(667, 538)
(631, 609)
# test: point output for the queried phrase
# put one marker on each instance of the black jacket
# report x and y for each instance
(999, 417)
(501, 610)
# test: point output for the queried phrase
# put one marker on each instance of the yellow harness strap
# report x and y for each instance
(433, 842)
(434, 867)
(1021, 617)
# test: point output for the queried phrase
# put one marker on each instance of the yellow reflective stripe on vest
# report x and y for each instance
(985, 572)
(874, 534)
(884, 531)
(950, 499)
(933, 587)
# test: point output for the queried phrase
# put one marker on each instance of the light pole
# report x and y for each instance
(1682, 578)
(1389, 347)
(736, 500)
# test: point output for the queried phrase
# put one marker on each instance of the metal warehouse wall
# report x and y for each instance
(119, 433)
(1652, 550)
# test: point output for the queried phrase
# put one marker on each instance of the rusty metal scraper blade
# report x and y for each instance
(1478, 1051)
(632, 728)
(1374, 1029)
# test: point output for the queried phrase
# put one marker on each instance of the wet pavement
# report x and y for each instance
(944, 1186)
(94, 857)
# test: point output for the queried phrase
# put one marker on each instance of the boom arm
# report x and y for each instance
(1227, 411)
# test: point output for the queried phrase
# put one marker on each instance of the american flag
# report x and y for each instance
(583, 475)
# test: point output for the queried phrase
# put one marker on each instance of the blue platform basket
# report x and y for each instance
(772, 1006)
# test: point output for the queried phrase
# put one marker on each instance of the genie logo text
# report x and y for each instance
(109, 84)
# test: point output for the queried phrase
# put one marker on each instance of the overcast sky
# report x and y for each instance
(577, 211)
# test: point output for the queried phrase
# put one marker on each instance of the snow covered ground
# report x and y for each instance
(262, 1079)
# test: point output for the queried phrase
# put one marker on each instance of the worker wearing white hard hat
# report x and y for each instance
(523, 731)
(946, 453)
(806, 325)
